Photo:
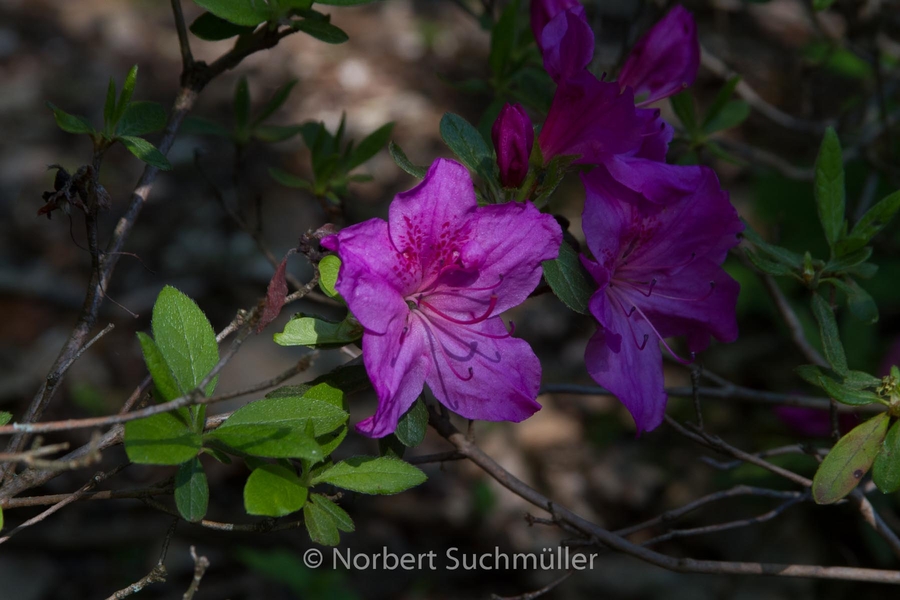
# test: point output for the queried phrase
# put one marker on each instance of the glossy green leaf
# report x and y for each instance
(319, 333)
(320, 525)
(141, 118)
(850, 459)
(70, 123)
(273, 491)
(467, 144)
(886, 470)
(329, 267)
(191, 490)
(829, 186)
(185, 338)
(404, 163)
(163, 439)
(321, 30)
(5, 417)
(270, 440)
(291, 412)
(211, 28)
(569, 280)
(145, 151)
(413, 424)
(370, 145)
(240, 12)
(828, 329)
(163, 378)
(372, 475)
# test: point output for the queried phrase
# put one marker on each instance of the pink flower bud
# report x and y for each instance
(513, 138)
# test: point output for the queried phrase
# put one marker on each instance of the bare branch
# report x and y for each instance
(201, 563)
(156, 575)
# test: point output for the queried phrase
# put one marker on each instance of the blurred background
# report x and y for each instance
(405, 62)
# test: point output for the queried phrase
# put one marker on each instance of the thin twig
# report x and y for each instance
(603, 537)
(793, 322)
(201, 563)
(266, 526)
(187, 59)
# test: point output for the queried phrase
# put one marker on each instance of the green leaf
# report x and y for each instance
(70, 123)
(503, 38)
(185, 338)
(886, 470)
(468, 145)
(211, 28)
(875, 219)
(275, 102)
(289, 180)
(404, 163)
(731, 115)
(848, 260)
(822, 4)
(828, 329)
(141, 118)
(860, 303)
(370, 146)
(191, 490)
(241, 105)
(321, 30)
(683, 105)
(413, 424)
(767, 265)
(723, 97)
(318, 333)
(5, 417)
(240, 12)
(372, 475)
(198, 126)
(329, 267)
(846, 394)
(773, 252)
(291, 412)
(849, 391)
(163, 439)
(273, 491)
(829, 186)
(338, 515)
(860, 380)
(320, 525)
(145, 151)
(568, 279)
(270, 441)
(275, 133)
(163, 378)
(109, 105)
(850, 459)
(125, 95)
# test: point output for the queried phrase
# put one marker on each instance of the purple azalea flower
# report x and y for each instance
(665, 60)
(658, 267)
(513, 137)
(543, 11)
(428, 286)
(567, 44)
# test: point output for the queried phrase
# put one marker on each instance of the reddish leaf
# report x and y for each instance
(275, 295)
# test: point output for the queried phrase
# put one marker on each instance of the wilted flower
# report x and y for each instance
(513, 137)
(428, 286)
(658, 267)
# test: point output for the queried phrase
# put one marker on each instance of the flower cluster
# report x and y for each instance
(658, 233)
(429, 284)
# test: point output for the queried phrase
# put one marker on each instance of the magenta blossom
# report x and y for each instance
(658, 267)
(567, 45)
(665, 60)
(543, 11)
(513, 137)
(428, 286)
